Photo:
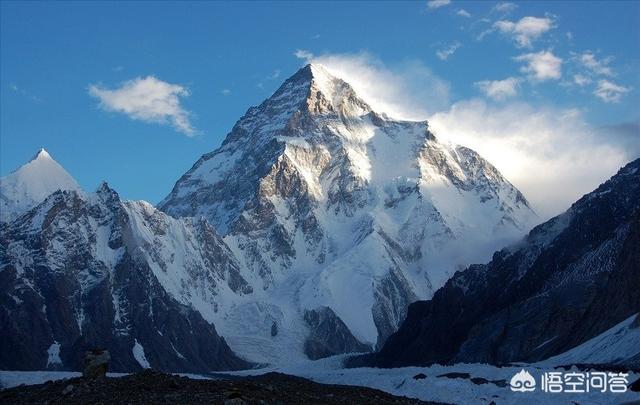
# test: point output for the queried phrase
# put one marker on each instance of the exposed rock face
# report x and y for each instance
(329, 335)
(570, 279)
(86, 270)
(329, 204)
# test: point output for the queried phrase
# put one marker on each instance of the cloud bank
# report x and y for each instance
(549, 154)
(147, 99)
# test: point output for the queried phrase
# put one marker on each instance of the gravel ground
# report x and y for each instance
(158, 388)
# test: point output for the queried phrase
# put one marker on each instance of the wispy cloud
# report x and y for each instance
(463, 13)
(225, 92)
(541, 66)
(504, 8)
(526, 30)
(433, 4)
(443, 54)
(499, 89)
(408, 90)
(303, 54)
(598, 67)
(275, 74)
(19, 90)
(581, 80)
(147, 99)
(610, 92)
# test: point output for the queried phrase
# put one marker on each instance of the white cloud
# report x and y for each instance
(599, 67)
(504, 8)
(433, 4)
(526, 30)
(147, 99)
(443, 54)
(275, 74)
(463, 13)
(581, 80)
(499, 89)
(303, 54)
(610, 92)
(541, 66)
(408, 90)
(547, 153)
(225, 92)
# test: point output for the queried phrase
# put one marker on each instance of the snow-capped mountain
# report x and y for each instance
(332, 208)
(570, 281)
(31, 184)
(85, 270)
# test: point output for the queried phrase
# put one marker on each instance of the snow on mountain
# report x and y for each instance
(332, 207)
(85, 270)
(619, 345)
(31, 184)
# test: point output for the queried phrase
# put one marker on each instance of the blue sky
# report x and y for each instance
(211, 61)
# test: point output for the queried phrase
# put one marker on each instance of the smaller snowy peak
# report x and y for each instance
(42, 154)
(31, 184)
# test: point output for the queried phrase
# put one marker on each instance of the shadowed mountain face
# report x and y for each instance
(328, 204)
(81, 271)
(570, 279)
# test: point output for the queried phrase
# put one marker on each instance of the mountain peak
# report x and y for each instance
(42, 154)
(32, 183)
(322, 92)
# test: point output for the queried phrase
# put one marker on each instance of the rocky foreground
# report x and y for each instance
(158, 388)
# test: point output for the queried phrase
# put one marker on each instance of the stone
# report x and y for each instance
(96, 364)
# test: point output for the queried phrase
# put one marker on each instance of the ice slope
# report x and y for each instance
(31, 184)
(619, 345)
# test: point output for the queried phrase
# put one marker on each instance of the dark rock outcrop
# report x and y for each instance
(329, 335)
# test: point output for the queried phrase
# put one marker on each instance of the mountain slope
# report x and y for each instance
(618, 346)
(328, 204)
(31, 184)
(569, 280)
(81, 271)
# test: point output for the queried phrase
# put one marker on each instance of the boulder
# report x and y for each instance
(96, 364)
